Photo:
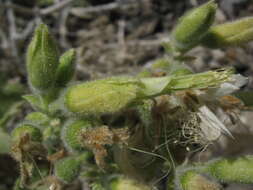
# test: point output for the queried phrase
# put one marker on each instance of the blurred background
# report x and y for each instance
(112, 37)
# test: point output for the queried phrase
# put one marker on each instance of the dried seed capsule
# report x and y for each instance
(123, 183)
(66, 68)
(71, 134)
(193, 26)
(101, 96)
(229, 34)
(33, 132)
(192, 180)
(68, 169)
(42, 59)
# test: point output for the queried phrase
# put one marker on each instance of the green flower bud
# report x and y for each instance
(123, 183)
(230, 34)
(238, 170)
(34, 132)
(66, 68)
(101, 96)
(71, 134)
(68, 169)
(42, 59)
(193, 26)
(191, 180)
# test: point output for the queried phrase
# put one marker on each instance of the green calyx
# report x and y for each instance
(101, 96)
(193, 26)
(21, 131)
(232, 170)
(68, 169)
(71, 134)
(66, 68)
(229, 34)
(114, 94)
(192, 180)
(42, 59)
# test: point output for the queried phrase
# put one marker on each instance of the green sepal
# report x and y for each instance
(193, 26)
(42, 60)
(101, 96)
(66, 68)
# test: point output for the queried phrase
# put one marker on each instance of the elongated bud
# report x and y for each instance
(230, 34)
(101, 96)
(191, 180)
(129, 184)
(232, 170)
(33, 132)
(66, 68)
(193, 26)
(68, 169)
(42, 59)
(71, 134)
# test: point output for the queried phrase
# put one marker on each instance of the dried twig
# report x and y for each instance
(55, 7)
(82, 12)
(12, 30)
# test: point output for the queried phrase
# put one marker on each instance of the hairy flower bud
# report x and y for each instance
(101, 96)
(229, 34)
(42, 59)
(232, 170)
(33, 132)
(191, 180)
(71, 134)
(66, 68)
(193, 26)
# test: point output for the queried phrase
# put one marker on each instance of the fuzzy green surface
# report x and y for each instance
(193, 25)
(101, 96)
(230, 34)
(37, 118)
(66, 68)
(233, 170)
(42, 59)
(71, 134)
(20, 131)
(128, 184)
(67, 169)
(194, 181)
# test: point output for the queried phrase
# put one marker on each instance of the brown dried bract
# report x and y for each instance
(96, 138)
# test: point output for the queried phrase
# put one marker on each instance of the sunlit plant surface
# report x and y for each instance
(132, 132)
